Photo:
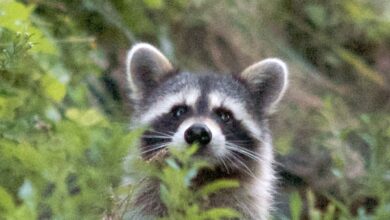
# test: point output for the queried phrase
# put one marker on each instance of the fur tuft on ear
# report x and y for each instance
(145, 66)
(268, 81)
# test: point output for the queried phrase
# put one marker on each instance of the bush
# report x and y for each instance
(58, 158)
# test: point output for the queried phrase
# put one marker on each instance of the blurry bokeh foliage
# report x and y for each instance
(64, 108)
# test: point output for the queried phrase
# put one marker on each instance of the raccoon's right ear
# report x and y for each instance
(267, 80)
(146, 65)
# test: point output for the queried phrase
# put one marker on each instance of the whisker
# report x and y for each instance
(156, 136)
(260, 139)
(169, 133)
(154, 147)
(239, 150)
(240, 141)
(246, 168)
(244, 151)
(238, 146)
(231, 161)
(221, 159)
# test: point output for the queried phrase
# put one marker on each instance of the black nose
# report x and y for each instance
(197, 133)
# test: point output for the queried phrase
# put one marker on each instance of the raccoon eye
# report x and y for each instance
(178, 111)
(223, 114)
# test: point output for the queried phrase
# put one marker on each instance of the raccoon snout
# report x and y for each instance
(198, 133)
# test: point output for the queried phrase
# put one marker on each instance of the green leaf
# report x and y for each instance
(14, 15)
(317, 14)
(53, 88)
(283, 144)
(218, 185)
(172, 163)
(8, 106)
(6, 202)
(154, 4)
(88, 117)
(295, 206)
(220, 213)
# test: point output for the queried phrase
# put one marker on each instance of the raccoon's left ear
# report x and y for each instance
(146, 66)
(267, 81)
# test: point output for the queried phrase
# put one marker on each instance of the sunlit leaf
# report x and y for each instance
(87, 118)
(53, 88)
(218, 185)
(155, 4)
(295, 206)
(6, 202)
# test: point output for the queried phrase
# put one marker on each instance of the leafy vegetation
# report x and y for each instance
(175, 174)
(63, 103)
(58, 158)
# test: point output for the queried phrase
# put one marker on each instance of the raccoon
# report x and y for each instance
(225, 114)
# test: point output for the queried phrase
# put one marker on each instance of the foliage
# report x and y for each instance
(336, 33)
(181, 201)
(360, 164)
(175, 174)
(58, 159)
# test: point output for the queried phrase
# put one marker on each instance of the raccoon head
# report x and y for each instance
(224, 114)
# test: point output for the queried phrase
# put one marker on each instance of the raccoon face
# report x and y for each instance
(225, 115)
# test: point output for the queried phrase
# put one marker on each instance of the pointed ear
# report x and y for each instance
(267, 81)
(146, 65)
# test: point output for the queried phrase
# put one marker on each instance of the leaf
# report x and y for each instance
(190, 175)
(172, 163)
(87, 118)
(295, 206)
(11, 20)
(283, 144)
(8, 106)
(53, 88)
(165, 194)
(29, 156)
(154, 4)
(361, 67)
(220, 213)
(317, 14)
(218, 185)
(6, 202)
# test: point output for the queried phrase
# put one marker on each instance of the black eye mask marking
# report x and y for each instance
(162, 129)
(179, 111)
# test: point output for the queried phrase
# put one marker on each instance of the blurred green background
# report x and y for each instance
(64, 107)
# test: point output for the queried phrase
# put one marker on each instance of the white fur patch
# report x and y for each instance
(188, 97)
(178, 137)
(217, 99)
(217, 143)
(262, 186)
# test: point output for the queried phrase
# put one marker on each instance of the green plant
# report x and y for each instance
(58, 158)
(175, 174)
(359, 164)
